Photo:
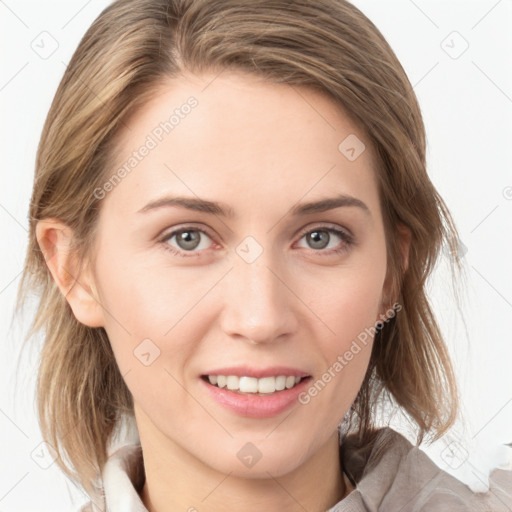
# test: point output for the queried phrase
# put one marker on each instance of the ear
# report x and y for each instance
(77, 285)
(404, 242)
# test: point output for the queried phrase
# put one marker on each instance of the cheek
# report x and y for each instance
(352, 305)
(351, 313)
(150, 328)
(141, 302)
(351, 310)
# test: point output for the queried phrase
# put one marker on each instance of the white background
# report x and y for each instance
(467, 107)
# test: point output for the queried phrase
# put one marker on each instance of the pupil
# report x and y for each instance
(316, 237)
(190, 239)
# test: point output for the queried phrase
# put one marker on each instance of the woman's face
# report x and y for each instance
(257, 285)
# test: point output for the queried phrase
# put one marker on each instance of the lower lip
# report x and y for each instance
(256, 406)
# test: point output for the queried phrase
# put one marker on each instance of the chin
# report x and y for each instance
(262, 470)
(250, 461)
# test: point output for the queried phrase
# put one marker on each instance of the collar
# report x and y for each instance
(388, 473)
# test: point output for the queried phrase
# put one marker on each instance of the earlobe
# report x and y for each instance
(76, 284)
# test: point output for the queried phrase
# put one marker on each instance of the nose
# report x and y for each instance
(259, 305)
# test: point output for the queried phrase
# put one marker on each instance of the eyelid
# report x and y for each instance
(334, 227)
(192, 227)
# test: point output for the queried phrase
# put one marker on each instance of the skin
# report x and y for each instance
(259, 148)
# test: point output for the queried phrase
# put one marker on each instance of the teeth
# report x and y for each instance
(290, 382)
(248, 385)
(280, 383)
(232, 382)
(266, 385)
(244, 384)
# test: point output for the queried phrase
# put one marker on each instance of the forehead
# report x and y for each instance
(241, 140)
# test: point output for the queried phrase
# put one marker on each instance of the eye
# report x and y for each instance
(320, 239)
(192, 240)
(187, 239)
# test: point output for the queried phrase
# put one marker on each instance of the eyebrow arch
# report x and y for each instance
(191, 203)
(329, 204)
(205, 206)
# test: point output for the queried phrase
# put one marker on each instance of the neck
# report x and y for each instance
(176, 480)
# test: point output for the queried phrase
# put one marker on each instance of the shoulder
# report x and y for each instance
(391, 473)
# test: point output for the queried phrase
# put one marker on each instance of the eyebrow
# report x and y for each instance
(216, 208)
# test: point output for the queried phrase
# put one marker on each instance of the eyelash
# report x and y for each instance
(347, 241)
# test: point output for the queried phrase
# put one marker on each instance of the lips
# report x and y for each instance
(256, 393)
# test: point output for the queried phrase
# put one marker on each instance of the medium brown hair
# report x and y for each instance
(129, 51)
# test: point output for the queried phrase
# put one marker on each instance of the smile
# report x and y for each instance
(245, 384)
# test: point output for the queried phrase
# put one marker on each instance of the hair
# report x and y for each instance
(133, 48)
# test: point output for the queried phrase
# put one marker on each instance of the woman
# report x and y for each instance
(231, 230)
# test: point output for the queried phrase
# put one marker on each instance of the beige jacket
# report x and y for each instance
(400, 479)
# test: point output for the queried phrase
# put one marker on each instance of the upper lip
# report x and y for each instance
(247, 371)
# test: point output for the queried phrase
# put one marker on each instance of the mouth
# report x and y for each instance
(255, 392)
(247, 385)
